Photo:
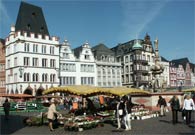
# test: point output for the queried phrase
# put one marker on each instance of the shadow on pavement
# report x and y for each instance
(11, 125)
(117, 130)
(166, 121)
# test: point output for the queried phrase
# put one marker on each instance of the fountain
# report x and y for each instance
(156, 69)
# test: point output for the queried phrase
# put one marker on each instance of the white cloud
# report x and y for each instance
(137, 15)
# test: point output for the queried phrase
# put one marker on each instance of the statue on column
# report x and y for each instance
(156, 69)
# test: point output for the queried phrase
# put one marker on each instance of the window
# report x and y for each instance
(87, 68)
(51, 50)
(15, 61)
(44, 77)
(44, 49)
(35, 62)
(15, 77)
(87, 80)
(69, 80)
(68, 67)
(52, 63)
(8, 63)
(26, 47)
(44, 62)
(52, 78)
(26, 77)
(148, 58)
(144, 57)
(66, 56)
(15, 48)
(26, 61)
(35, 48)
(8, 50)
(2, 67)
(35, 77)
(87, 57)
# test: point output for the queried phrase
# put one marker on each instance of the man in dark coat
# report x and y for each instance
(175, 106)
(162, 104)
(6, 106)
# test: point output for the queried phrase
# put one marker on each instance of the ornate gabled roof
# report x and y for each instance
(182, 61)
(125, 48)
(163, 59)
(101, 50)
(31, 19)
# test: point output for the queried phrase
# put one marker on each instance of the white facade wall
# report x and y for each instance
(108, 74)
(15, 53)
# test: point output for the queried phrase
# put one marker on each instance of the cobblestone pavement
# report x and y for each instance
(154, 126)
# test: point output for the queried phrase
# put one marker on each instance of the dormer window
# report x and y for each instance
(42, 29)
(33, 14)
(86, 57)
(28, 26)
(65, 49)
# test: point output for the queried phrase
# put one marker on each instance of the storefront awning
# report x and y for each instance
(83, 90)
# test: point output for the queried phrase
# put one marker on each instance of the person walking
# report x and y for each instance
(51, 113)
(188, 106)
(162, 104)
(175, 106)
(6, 106)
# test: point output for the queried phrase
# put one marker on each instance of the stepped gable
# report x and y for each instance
(31, 19)
(100, 50)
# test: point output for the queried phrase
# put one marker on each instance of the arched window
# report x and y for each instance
(46, 77)
(25, 77)
(34, 77)
(28, 77)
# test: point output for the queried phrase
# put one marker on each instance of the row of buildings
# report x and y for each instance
(32, 61)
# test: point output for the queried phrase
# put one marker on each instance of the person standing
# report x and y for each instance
(175, 106)
(119, 113)
(51, 113)
(127, 117)
(6, 106)
(162, 104)
(188, 106)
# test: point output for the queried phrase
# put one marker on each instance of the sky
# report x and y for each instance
(115, 21)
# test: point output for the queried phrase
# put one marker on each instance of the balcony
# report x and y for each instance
(143, 71)
(140, 61)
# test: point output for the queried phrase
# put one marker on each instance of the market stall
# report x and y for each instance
(86, 121)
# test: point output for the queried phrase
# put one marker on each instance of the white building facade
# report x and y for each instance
(79, 67)
(32, 62)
